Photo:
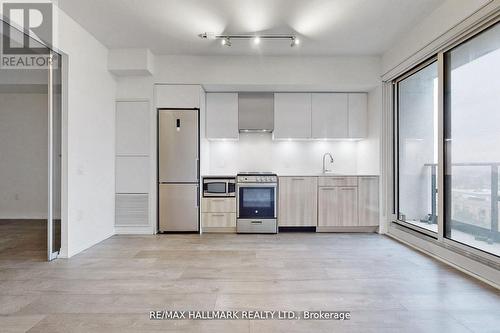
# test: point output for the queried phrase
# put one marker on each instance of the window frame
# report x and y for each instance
(439, 237)
(428, 62)
(443, 114)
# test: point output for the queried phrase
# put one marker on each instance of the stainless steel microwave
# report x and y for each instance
(219, 187)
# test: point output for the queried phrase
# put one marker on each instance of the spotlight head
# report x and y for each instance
(295, 41)
(256, 40)
(226, 41)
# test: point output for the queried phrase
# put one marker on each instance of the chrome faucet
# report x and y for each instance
(325, 170)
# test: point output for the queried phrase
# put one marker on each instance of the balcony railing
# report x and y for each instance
(490, 234)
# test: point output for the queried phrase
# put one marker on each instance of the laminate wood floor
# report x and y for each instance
(112, 286)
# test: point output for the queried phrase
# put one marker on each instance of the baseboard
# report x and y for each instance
(88, 245)
(464, 264)
(297, 229)
(134, 230)
(226, 230)
(347, 229)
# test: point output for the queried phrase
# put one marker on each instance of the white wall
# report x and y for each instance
(90, 134)
(437, 23)
(258, 152)
(23, 156)
(219, 73)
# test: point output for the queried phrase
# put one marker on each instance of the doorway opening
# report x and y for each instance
(30, 155)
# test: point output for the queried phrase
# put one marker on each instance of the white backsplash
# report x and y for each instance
(258, 152)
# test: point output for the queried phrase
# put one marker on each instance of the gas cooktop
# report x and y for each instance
(256, 177)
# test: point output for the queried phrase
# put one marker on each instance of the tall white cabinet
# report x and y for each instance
(132, 163)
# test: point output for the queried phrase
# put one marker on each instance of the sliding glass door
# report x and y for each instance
(472, 141)
(31, 128)
(55, 155)
(447, 145)
(417, 111)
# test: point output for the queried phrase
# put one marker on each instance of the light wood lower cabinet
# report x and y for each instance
(218, 205)
(218, 214)
(368, 201)
(328, 206)
(338, 181)
(338, 206)
(218, 220)
(348, 206)
(297, 201)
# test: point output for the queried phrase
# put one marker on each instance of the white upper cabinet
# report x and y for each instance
(178, 96)
(292, 115)
(222, 116)
(358, 115)
(329, 115)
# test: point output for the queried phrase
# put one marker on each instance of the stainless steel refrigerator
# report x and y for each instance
(178, 170)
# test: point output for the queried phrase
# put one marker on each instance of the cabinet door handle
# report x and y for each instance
(297, 178)
(347, 189)
(218, 215)
(327, 188)
(256, 222)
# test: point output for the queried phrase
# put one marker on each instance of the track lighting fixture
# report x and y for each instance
(226, 39)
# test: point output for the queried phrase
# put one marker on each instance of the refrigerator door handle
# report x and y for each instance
(198, 196)
(198, 169)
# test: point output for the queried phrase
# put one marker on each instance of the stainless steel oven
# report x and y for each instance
(257, 195)
(219, 187)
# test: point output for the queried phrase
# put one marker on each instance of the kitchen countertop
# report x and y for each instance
(327, 175)
(218, 176)
(308, 175)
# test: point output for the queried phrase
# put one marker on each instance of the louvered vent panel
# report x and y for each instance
(131, 210)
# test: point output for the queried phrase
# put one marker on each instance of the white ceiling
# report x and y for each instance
(325, 27)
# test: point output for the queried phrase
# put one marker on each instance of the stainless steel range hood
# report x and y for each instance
(256, 112)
